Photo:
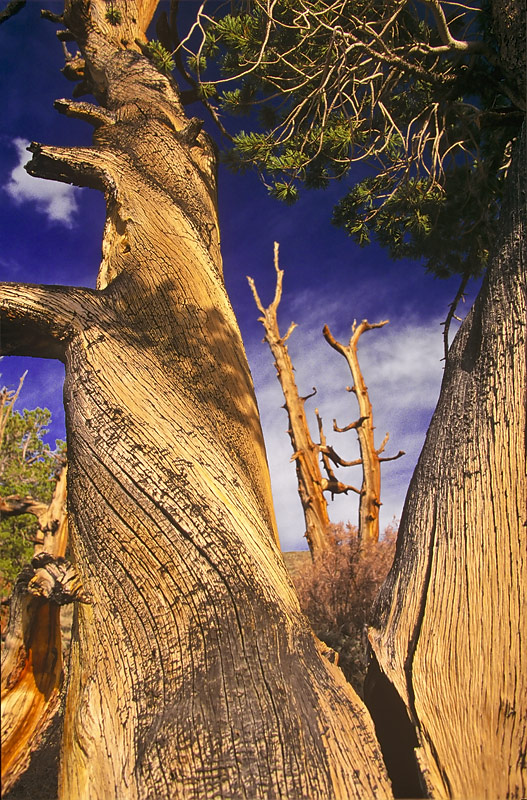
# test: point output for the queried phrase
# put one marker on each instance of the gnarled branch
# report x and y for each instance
(40, 320)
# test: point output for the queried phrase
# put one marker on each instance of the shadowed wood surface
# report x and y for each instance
(450, 632)
(32, 650)
(193, 673)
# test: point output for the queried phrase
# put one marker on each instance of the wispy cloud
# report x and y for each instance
(57, 201)
(402, 368)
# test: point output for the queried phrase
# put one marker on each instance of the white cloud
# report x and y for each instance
(401, 364)
(57, 201)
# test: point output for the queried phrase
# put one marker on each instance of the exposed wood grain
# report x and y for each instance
(193, 673)
(32, 651)
(305, 451)
(450, 634)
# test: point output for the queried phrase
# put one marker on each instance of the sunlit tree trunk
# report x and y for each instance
(32, 651)
(449, 637)
(305, 451)
(193, 673)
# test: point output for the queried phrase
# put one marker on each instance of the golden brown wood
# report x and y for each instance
(370, 494)
(32, 650)
(193, 673)
(451, 623)
(305, 451)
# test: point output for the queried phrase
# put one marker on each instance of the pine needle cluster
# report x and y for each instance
(413, 90)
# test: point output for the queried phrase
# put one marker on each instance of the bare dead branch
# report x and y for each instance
(308, 396)
(12, 8)
(52, 17)
(450, 42)
(96, 115)
(364, 326)
(334, 486)
(460, 295)
(331, 484)
(336, 459)
(383, 444)
(40, 320)
(7, 401)
(290, 330)
(14, 506)
(256, 296)
(393, 458)
(352, 426)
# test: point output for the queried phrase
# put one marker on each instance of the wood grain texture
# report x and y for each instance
(32, 672)
(193, 673)
(31, 681)
(450, 632)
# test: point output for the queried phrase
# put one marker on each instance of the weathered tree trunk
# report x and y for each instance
(305, 451)
(450, 629)
(193, 673)
(32, 652)
(370, 458)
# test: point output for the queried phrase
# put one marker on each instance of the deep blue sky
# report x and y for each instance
(328, 279)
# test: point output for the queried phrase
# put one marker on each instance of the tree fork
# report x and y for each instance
(370, 495)
(193, 672)
(305, 452)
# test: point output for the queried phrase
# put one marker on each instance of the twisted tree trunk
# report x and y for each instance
(193, 673)
(449, 638)
(32, 651)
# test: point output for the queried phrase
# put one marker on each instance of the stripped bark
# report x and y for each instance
(370, 456)
(193, 673)
(305, 451)
(450, 629)
(32, 671)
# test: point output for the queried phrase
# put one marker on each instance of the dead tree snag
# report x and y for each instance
(370, 493)
(305, 451)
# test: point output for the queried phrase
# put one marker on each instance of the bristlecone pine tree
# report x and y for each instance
(449, 635)
(305, 451)
(370, 491)
(193, 673)
(308, 455)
